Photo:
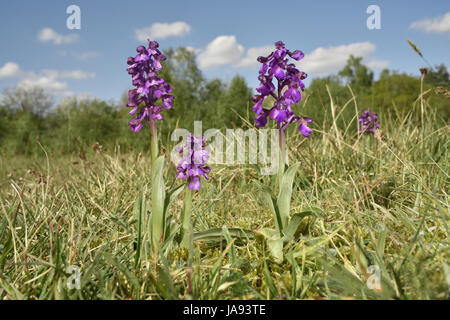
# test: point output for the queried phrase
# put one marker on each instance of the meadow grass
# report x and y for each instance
(377, 201)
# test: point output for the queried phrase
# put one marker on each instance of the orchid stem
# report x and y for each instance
(153, 140)
(282, 155)
(156, 220)
(186, 223)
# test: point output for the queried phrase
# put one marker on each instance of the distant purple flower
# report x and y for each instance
(288, 92)
(192, 165)
(368, 122)
(149, 88)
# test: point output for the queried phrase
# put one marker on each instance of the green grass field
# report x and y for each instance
(377, 201)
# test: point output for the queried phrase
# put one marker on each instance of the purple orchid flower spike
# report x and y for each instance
(303, 127)
(289, 87)
(192, 165)
(149, 89)
(368, 122)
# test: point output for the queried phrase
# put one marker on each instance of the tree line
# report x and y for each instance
(29, 118)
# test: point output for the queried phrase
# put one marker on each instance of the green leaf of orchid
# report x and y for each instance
(284, 197)
(295, 221)
(158, 199)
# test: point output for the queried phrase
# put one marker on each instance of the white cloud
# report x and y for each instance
(49, 35)
(50, 80)
(77, 75)
(194, 50)
(84, 56)
(249, 60)
(225, 50)
(47, 81)
(72, 74)
(325, 61)
(439, 24)
(9, 70)
(378, 64)
(160, 30)
(222, 50)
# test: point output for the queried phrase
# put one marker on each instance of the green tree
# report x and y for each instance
(30, 100)
(180, 70)
(395, 91)
(210, 96)
(357, 74)
(234, 102)
(318, 100)
(439, 76)
(25, 109)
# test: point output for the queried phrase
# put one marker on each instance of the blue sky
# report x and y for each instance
(38, 49)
